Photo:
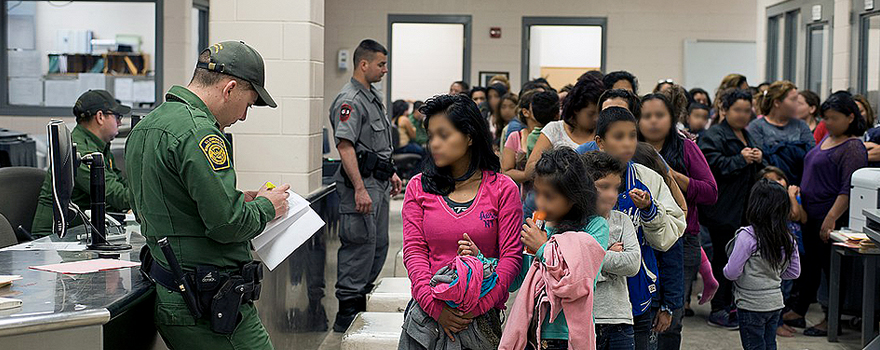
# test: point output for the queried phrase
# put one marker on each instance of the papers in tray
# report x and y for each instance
(9, 303)
(86, 266)
(6, 280)
(283, 235)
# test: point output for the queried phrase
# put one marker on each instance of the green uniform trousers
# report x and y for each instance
(181, 331)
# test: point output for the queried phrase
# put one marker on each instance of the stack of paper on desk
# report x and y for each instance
(9, 303)
(283, 235)
(6, 280)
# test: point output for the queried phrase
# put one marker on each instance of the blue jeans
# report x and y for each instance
(643, 335)
(757, 330)
(614, 337)
(411, 147)
(529, 206)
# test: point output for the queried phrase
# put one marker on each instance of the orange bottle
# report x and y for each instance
(539, 217)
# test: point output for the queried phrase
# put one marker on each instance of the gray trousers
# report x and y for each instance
(364, 240)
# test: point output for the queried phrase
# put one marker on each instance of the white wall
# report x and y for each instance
(645, 37)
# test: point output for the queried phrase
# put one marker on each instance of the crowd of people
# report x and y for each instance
(602, 206)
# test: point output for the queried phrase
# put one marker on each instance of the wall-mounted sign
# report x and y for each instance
(817, 12)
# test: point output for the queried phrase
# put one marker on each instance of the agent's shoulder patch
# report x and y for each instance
(345, 112)
(215, 150)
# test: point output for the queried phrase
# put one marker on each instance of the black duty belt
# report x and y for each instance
(371, 164)
(217, 293)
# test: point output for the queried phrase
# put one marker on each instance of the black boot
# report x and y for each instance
(317, 316)
(348, 309)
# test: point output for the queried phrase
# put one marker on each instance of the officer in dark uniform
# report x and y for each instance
(365, 181)
(183, 192)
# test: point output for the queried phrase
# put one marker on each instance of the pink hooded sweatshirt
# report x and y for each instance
(564, 280)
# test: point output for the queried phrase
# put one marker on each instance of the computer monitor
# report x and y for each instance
(62, 165)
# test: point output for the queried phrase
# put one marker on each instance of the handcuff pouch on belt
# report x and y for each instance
(218, 292)
(371, 164)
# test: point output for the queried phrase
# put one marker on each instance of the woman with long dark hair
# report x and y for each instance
(689, 169)
(825, 195)
(580, 113)
(460, 196)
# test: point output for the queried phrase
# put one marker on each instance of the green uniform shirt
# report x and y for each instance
(421, 134)
(183, 186)
(116, 192)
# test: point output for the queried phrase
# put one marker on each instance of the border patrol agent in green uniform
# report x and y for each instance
(365, 181)
(183, 189)
(98, 117)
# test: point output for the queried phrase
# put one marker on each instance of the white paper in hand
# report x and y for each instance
(284, 235)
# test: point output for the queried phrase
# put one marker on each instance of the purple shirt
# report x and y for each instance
(701, 189)
(828, 174)
(745, 246)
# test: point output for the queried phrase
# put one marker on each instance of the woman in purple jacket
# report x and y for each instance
(692, 174)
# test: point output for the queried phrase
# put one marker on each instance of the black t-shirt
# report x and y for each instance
(456, 206)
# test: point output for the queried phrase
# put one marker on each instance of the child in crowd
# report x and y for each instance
(658, 219)
(760, 257)
(544, 108)
(697, 119)
(797, 217)
(568, 197)
(519, 143)
(646, 155)
(623, 259)
(616, 97)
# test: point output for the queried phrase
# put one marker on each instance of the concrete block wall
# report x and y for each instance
(282, 144)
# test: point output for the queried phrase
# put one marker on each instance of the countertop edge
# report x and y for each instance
(42, 322)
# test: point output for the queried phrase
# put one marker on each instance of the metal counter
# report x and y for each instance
(114, 309)
(87, 307)
(292, 304)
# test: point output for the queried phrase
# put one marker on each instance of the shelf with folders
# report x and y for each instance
(111, 63)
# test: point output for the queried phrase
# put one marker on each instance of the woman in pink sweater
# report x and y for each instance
(460, 191)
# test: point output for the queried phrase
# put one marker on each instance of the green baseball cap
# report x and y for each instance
(93, 101)
(237, 59)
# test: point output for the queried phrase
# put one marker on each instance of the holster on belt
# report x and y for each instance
(371, 164)
(219, 292)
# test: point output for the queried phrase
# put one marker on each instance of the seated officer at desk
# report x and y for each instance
(98, 117)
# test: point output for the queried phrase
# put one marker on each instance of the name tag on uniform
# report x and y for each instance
(215, 150)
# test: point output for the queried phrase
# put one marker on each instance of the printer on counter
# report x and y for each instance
(864, 195)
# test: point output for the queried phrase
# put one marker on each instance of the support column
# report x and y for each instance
(282, 144)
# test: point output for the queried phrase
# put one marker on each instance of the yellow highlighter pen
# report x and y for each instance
(269, 185)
